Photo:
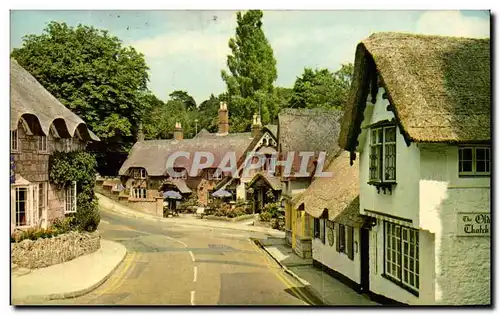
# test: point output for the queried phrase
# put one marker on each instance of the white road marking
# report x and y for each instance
(192, 256)
(192, 298)
(104, 221)
(173, 239)
(234, 235)
(195, 274)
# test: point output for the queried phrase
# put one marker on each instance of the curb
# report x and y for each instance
(73, 294)
(311, 290)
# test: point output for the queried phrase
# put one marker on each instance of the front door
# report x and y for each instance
(365, 259)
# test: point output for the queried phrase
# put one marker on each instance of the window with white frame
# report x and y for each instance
(21, 204)
(42, 144)
(474, 160)
(139, 193)
(402, 256)
(14, 140)
(41, 199)
(70, 198)
(383, 154)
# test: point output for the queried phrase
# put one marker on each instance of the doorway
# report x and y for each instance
(365, 260)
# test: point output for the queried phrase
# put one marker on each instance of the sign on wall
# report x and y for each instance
(473, 224)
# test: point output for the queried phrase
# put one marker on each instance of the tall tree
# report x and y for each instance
(253, 71)
(185, 98)
(321, 88)
(91, 73)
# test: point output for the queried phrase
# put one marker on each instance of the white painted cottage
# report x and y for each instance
(419, 118)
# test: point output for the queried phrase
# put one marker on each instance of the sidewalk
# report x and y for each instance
(328, 289)
(70, 279)
(108, 204)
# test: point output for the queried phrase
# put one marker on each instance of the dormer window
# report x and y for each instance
(140, 173)
(474, 161)
(383, 156)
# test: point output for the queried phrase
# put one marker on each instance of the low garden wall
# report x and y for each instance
(239, 218)
(45, 252)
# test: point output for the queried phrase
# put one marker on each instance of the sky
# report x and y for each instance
(186, 50)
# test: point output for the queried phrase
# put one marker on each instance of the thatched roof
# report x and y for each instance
(338, 194)
(273, 129)
(308, 130)
(273, 182)
(30, 100)
(439, 87)
(153, 154)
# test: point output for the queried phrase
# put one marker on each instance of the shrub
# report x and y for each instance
(78, 166)
(265, 216)
(34, 234)
(65, 224)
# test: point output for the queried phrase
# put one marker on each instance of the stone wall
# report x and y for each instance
(46, 252)
(303, 247)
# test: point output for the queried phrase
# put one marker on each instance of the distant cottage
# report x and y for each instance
(145, 175)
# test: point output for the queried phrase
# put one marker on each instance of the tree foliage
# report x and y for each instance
(185, 98)
(91, 73)
(252, 72)
(321, 88)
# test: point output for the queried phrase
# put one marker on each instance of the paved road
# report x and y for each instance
(172, 264)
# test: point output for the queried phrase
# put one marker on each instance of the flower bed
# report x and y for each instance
(44, 252)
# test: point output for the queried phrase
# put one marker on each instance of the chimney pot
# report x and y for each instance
(223, 119)
(178, 132)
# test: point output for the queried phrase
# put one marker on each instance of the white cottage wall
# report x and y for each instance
(328, 256)
(382, 286)
(404, 200)
(462, 262)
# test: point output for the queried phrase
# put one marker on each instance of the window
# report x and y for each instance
(70, 202)
(322, 230)
(67, 144)
(474, 160)
(21, 206)
(402, 256)
(14, 140)
(383, 154)
(345, 240)
(42, 144)
(139, 193)
(41, 200)
(341, 241)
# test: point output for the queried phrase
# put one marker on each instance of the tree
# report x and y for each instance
(91, 73)
(185, 98)
(253, 71)
(321, 88)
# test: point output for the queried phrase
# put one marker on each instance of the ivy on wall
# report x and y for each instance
(78, 166)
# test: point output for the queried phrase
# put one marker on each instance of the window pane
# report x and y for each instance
(467, 166)
(405, 248)
(412, 282)
(405, 279)
(405, 261)
(480, 154)
(388, 267)
(417, 281)
(374, 137)
(412, 265)
(466, 154)
(380, 135)
(480, 166)
(390, 134)
(399, 272)
(405, 234)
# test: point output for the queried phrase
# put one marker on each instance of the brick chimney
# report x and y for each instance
(140, 133)
(223, 119)
(256, 125)
(178, 132)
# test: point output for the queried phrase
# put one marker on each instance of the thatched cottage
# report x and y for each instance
(339, 233)
(303, 130)
(145, 175)
(39, 125)
(419, 116)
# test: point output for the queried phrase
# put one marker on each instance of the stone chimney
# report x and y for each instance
(256, 125)
(140, 133)
(178, 132)
(223, 119)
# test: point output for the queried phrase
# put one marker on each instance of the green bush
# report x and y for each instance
(265, 216)
(65, 224)
(78, 166)
(34, 234)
